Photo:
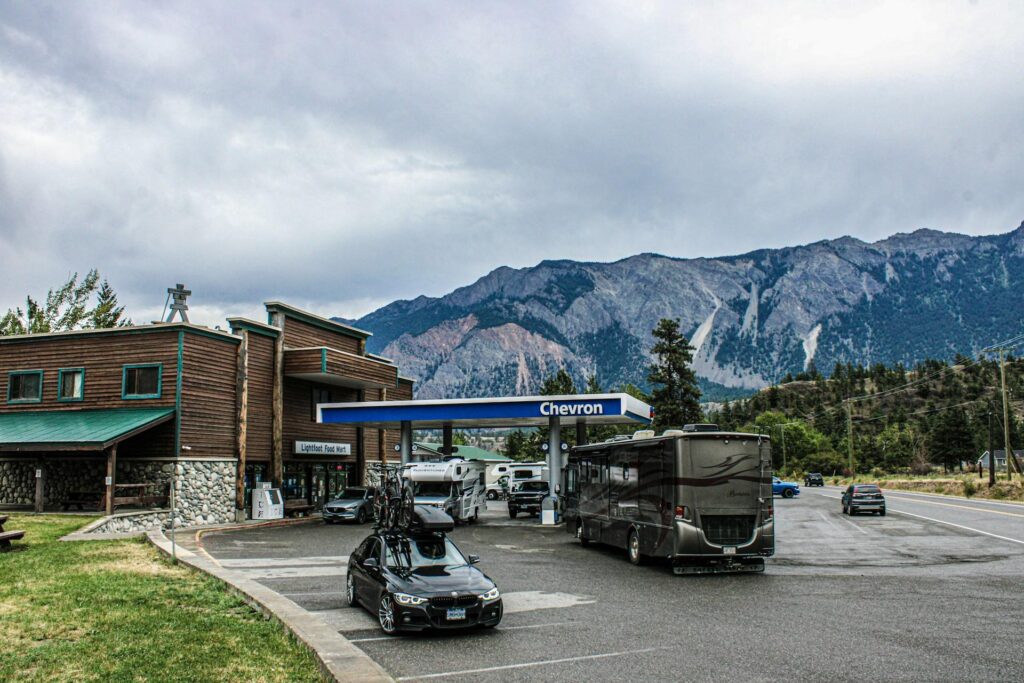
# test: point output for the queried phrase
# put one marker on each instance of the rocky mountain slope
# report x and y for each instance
(752, 318)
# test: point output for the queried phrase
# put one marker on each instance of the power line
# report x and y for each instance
(921, 412)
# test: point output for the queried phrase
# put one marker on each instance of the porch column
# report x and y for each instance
(277, 411)
(40, 484)
(242, 419)
(111, 473)
(405, 446)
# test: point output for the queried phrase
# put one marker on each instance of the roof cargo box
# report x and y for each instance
(431, 519)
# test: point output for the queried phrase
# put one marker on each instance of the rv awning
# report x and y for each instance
(76, 430)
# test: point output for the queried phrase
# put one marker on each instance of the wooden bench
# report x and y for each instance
(94, 499)
(296, 506)
(7, 536)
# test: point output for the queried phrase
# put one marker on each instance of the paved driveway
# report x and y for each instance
(891, 598)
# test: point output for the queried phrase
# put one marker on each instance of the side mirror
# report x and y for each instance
(473, 559)
(370, 563)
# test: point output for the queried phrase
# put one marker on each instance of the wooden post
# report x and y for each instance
(277, 424)
(382, 434)
(243, 416)
(40, 484)
(111, 477)
(361, 445)
(581, 433)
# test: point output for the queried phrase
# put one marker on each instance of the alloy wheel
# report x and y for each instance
(350, 591)
(386, 614)
(634, 547)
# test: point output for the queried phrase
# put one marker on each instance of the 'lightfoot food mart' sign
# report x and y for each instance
(322, 448)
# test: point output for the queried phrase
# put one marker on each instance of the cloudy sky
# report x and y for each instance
(342, 155)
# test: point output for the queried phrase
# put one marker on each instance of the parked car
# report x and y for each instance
(786, 489)
(526, 497)
(863, 498)
(353, 504)
(814, 479)
(419, 580)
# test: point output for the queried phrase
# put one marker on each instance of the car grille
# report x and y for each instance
(459, 601)
(728, 529)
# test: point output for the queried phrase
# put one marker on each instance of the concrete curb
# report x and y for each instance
(85, 533)
(339, 659)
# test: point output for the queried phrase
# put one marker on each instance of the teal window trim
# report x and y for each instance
(17, 373)
(138, 397)
(60, 385)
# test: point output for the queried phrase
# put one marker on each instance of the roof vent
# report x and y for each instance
(673, 432)
(643, 434)
(700, 428)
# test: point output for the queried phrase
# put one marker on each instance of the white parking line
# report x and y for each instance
(545, 662)
(255, 562)
(500, 628)
(858, 528)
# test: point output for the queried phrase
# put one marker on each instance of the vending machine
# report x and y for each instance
(267, 504)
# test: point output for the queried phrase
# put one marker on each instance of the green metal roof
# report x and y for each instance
(467, 452)
(75, 429)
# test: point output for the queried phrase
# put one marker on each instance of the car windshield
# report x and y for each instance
(533, 486)
(432, 488)
(412, 553)
(351, 493)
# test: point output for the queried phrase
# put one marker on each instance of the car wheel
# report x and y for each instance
(361, 516)
(846, 510)
(882, 512)
(386, 615)
(787, 493)
(350, 591)
(584, 541)
(633, 549)
(512, 512)
(491, 495)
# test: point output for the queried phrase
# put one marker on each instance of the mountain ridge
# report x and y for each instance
(752, 317)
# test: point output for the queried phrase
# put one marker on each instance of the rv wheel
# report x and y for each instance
(491, 495)
(512, 512)
(633, 548)
(584, 541)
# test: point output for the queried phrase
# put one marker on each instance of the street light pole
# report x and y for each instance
(1011, 462)
(849, 434)
(991, 452)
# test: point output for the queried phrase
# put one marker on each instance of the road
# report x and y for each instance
(890, 598)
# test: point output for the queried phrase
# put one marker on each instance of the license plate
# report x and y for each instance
(456, 613)
(729, 550)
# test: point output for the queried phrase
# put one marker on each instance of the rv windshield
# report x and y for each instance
(411, 553)
(432, 488)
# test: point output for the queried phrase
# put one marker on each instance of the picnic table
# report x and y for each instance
(7, 536)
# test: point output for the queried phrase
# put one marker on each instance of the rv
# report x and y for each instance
(698, 497)
(455, 486)
(525, 471)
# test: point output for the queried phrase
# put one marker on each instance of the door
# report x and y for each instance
(571, 491)
(368, 579)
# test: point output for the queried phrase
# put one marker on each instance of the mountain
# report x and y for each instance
(752, 318)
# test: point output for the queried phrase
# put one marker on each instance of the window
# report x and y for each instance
(71, 384)
(25, 386)
(141, 381)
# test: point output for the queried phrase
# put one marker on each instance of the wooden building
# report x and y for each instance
(109, 415)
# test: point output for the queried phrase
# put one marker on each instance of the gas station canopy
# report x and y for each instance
(514, 411)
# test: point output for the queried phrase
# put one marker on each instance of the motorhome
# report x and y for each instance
(699, 497)
(525, 471)
(455, 486)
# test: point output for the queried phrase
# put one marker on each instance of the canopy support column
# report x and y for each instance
(40, 484)
(581, 433)
(405, 443)
(111, 473)
(446, 439)
(554, 453)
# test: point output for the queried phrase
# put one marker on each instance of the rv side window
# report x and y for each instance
(570, 480)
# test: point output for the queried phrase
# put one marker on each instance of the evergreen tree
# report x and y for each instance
(66, 308)
(107, 313)
(675, 395)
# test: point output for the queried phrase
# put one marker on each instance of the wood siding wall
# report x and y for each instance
(102, 356)
(300, 421)
(261, 398)
(298, 334)
(208, 417)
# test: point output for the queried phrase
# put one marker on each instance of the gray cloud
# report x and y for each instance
(339, 156)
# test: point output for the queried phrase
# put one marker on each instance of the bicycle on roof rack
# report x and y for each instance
(393, 502)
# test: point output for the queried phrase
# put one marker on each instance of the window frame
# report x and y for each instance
(60, 385)
(10, 386)
(141, 397)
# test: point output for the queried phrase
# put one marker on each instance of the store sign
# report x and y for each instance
(322, 448)
(559, 408)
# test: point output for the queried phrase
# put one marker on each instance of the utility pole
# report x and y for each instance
(849, 434)
(991, 452)
(782, 428)
(1011, 462)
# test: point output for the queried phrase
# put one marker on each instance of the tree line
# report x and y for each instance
(86, 304)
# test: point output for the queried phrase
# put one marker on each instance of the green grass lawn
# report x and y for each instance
(119, 611)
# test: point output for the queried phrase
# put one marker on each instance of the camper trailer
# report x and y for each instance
(699, 497)
(455, 486)
(525, 471)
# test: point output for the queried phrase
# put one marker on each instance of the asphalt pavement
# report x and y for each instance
(929, 592)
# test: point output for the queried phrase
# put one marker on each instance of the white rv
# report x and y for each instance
(455, 486)
(526, 471)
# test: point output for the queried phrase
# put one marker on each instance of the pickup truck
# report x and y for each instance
(526, 497)
(786, 489)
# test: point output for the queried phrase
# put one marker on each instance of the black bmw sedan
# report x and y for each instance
(420, 580)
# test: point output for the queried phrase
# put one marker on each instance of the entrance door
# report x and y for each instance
(337, 480)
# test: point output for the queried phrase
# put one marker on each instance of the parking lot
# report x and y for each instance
(909, 596)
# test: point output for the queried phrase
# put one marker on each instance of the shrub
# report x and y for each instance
(970, 488)
(997, 492)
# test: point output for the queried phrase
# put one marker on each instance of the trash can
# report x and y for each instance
(549, 510)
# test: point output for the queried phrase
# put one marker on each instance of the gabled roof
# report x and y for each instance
(467, 452)
(75, 430)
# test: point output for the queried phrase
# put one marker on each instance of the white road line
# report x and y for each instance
(965, 507)
(941, 521)
(257, 562)
(291, 572)
(985, 501)
(863, 531)
(369, 640)
(825, 517)
(545, 662)
(527, 601)
(500, 628)
(294, 595)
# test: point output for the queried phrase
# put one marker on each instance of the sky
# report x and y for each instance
(339, 156)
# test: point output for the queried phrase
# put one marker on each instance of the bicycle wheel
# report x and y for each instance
(407, 507)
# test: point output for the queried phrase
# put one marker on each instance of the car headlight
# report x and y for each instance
(406, 599)
(492, 594)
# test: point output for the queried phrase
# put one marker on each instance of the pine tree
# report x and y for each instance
(675, 395)
(65, 309)
(107, 313)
